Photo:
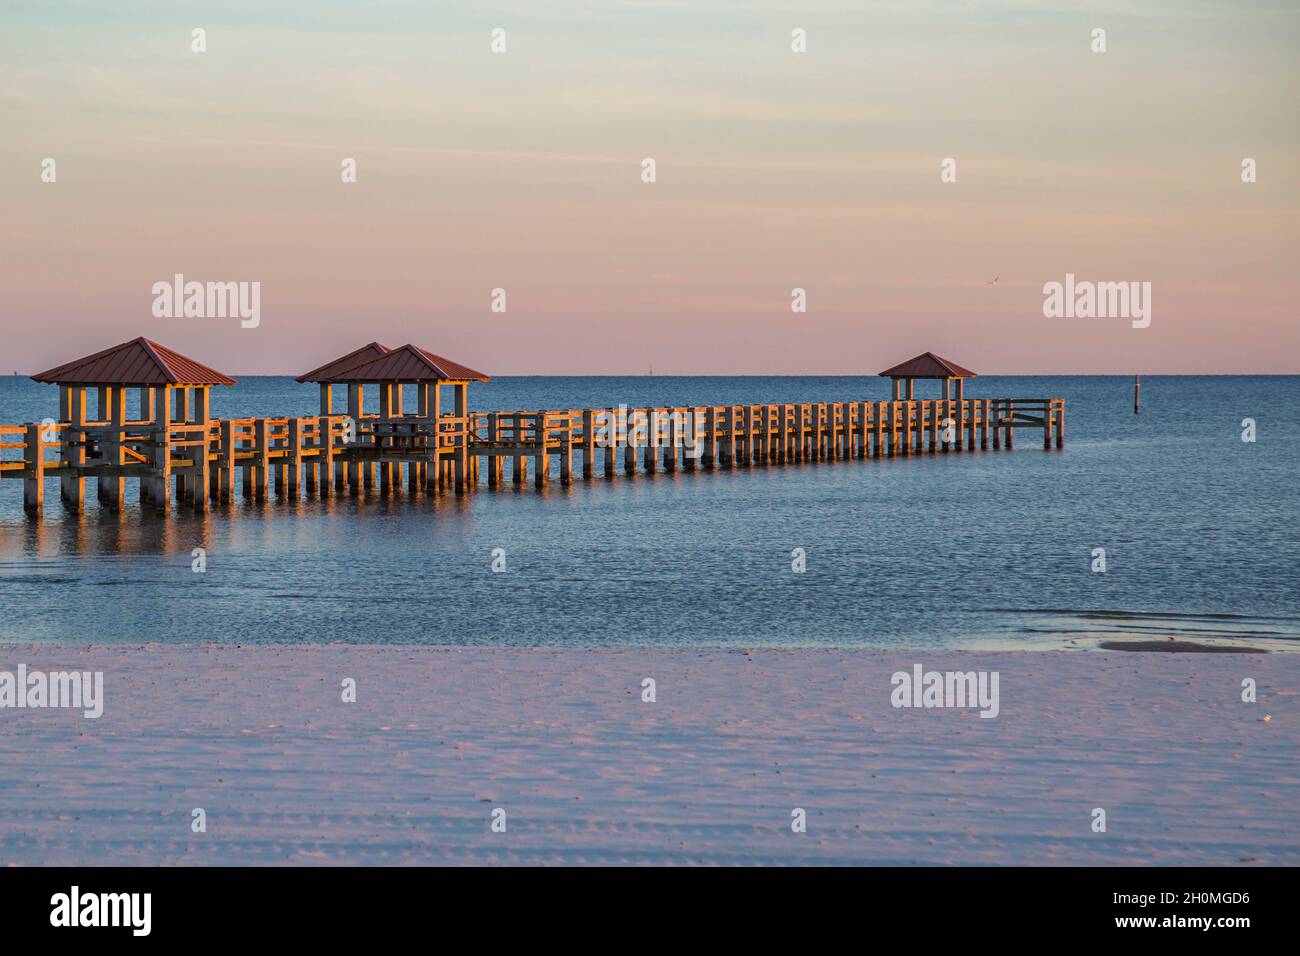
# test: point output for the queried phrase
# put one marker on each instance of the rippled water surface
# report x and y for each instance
(982, 549)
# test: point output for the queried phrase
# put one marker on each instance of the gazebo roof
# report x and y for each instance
(136, 363)
(411, 363)
(927, 365)
(336, 370)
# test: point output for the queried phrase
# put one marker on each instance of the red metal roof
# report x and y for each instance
(138, 362)
(927, 365)
(336, 371)
(411, 363)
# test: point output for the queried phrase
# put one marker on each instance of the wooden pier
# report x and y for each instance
(179, 455)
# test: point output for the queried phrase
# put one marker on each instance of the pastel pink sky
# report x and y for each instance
(776, 170)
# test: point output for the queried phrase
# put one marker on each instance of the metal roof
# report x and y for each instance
(411, 363)
(336, 370)
(138, 362)
(927, 365)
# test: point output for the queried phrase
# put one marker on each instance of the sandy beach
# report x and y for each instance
(586, 772)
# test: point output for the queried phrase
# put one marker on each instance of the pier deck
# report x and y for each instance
(325, 454)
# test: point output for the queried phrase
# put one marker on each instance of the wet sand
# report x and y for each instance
(710, 773)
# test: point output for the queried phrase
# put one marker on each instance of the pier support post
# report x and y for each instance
(724, 436)
(864, 440)
(202, 459)
(798, 444)
(611, 442)
(495, 464)
(460, 399)
(984, 425)
(111, 486)
(629, 444)
(295, 456)
(541, 456)
(675, 422)
(160, 480)
(588, 443)
(566, 454)
(691, 452)
(261, 459)
(710, 436)
(72, 447)
(1060, 425)
(651, 453)
(226, 461)
(356, 404)
(34, 472)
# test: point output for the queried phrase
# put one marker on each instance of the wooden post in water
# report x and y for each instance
(675, 421)
(325, 456)
(226, 461)
(294, 468)
(541, 455)
(710, 436)
(588, 443)
(34, 472)
(724, 446)
(566, 452)
(629, 442)
(611, 443)
(72, 450)
(1137, 394)
(262, 458)
(651, 452)
(110, 487)
(160, 481)
(796, 451)
(202, 462)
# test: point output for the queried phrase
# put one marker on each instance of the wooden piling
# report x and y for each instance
(541, 457)
(588, 443)
(72, 448)
(611, 442)
(34, 471)
(651, 452)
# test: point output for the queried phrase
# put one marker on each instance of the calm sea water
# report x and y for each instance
(976, 549)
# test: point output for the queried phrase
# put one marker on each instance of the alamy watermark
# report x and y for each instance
(1098, 300)
(75, 908)
(79, 690)
(669, 429)
(179, 299)
(961, 689)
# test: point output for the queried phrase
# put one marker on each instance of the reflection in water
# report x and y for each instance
(945, 550)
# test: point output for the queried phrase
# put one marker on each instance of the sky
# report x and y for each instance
(775, 170)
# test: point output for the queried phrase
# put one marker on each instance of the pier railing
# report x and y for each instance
(335, 452)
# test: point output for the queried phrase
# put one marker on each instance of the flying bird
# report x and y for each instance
(993, 281)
